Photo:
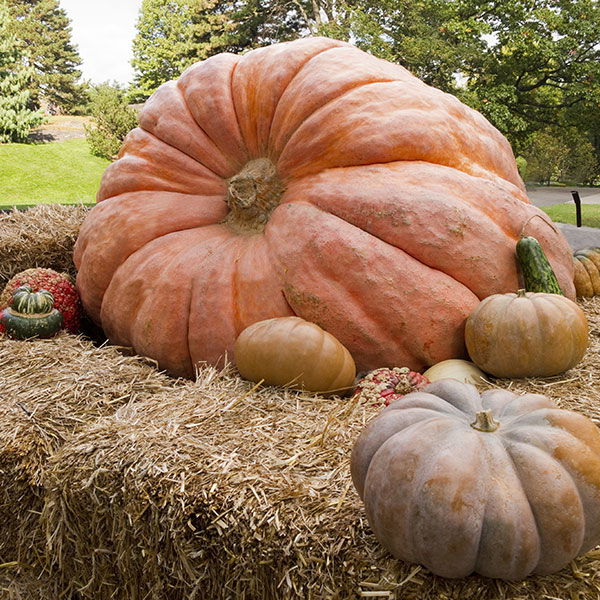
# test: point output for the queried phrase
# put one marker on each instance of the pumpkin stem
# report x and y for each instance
(252, 195)
(539, 217)
(484, 421)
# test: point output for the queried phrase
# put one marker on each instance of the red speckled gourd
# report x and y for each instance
(386, 385)
(498, 484)
(305, 178)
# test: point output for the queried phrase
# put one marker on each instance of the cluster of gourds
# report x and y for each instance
(38, 303)
(314, 210)
(494, 483)
(535, 332)
(305, 179)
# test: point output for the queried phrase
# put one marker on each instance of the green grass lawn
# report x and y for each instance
(565, 213)
(52, 173)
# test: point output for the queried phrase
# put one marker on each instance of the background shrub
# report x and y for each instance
(112, 120)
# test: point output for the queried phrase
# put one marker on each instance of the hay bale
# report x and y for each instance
(220, 490)
(52, 389)
(42, 236)
(23, 586)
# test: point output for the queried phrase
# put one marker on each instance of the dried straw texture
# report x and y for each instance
(219, 490)
(23, 586)
(42, 236)
(51, 390)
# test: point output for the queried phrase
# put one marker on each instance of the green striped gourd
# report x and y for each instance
(31, 314)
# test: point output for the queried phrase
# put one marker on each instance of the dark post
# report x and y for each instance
(577, 201)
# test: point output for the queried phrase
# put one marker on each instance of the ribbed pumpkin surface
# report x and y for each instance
(586, 262)
(522, 497)
(305, 178)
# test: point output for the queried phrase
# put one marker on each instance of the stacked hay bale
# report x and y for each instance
(51, 390)
(219, 490)
(121, 483)
(42, 236)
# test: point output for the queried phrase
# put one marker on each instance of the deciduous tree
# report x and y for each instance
(541, 64)
(171, 35)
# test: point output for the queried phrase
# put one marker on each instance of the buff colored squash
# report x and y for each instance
(290, 351)
(456, 368)
(306, 178)
(526, 334)
(498, 484)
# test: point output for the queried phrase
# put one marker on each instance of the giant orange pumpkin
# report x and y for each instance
(305, 178)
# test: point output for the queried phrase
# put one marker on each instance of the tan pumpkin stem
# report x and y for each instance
(252, 195)
(539, 217)
(484, 421)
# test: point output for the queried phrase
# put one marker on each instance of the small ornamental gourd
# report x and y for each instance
(31, 314)
(538, 275)
(26, 301)
(289, 351)
(526, 334)
(498, 484)
(456, 368)
(60, 285)
(385, 385)
(587, 272)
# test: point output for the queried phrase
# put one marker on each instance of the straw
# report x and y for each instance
(41, 236)
(118, 482)
(188, 494)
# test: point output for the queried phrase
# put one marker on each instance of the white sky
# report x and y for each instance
(103, 31)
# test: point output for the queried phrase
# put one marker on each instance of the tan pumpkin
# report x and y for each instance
(289, 351)
(526, 334)
(306, 178)
(498, 484)
(587, 272)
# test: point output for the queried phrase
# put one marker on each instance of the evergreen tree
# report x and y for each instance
(43, 30)
(16, 120)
